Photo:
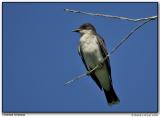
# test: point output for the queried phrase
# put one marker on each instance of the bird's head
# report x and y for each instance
(86, 28)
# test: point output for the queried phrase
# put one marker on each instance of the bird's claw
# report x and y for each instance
(100, 65)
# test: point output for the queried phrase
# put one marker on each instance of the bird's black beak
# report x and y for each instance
(76, 30)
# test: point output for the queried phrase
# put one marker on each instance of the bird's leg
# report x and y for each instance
(100, 64)
(91, 70)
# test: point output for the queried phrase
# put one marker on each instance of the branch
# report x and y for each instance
(145, 21)
(112, 51)
(111, 16)
(129, 34)
(82, 75)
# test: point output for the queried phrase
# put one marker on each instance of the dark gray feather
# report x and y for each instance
(102, 45)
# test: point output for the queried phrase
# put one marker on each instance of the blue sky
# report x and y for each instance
(40, 55)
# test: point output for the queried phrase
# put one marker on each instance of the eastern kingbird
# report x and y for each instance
(92, 52)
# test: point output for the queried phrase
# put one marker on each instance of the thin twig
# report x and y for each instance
(111, 16)
(129, 34)
(81, 76)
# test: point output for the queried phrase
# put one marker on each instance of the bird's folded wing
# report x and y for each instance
(102, 45)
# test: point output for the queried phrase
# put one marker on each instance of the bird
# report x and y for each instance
(92, 50)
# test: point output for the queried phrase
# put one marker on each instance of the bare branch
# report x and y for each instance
(145, 21)
(82, 75)
(112, 51)
(111, 16)
(127, 37)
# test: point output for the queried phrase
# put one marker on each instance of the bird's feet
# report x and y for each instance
(100, 65)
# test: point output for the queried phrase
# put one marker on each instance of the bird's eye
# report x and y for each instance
(84, 27)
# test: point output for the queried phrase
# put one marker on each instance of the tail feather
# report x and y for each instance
(111, 96)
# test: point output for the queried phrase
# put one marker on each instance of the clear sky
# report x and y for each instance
(40, 55)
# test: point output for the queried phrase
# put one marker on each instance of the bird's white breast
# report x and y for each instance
(90, 48)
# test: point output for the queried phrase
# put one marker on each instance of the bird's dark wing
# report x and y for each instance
(102, 45)
(80, 52)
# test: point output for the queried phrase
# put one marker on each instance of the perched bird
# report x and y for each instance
(92, 52)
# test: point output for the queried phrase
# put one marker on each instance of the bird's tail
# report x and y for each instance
(111, 96)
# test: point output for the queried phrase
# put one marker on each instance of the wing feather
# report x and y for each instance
(102, 45)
